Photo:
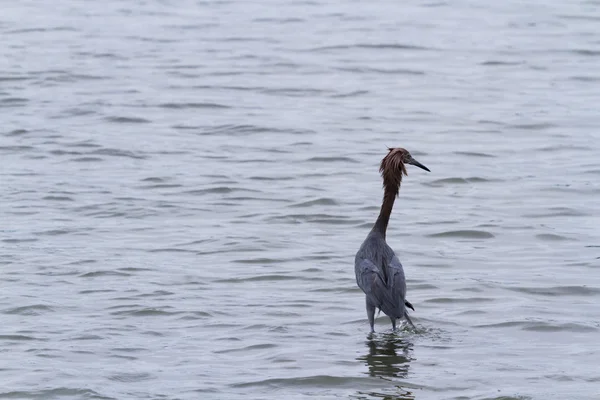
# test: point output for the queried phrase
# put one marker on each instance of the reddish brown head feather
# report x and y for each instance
(392, 167)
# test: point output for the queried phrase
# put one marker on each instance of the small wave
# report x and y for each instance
(496, 63)
(586, 52)
(316, 219)
(552, 237)
(13, 78)
(253, 347)
(466, 234)
(56, 393)
(58, 198)
(557, 212)
(372, 46)
(315, 381)
(258, 261)
(84, 337)
(279, 20)
(96, 274)
(183, 106)
(91, 291)
(559, 290)
(23, 240)
(242, 130)
(423, 286)
(36, 309)
(160, 186)
(294, 92)
(17, 337)
(561, 148)
(65, 153)
(318, 202)
(581, 78)
(87, 159)
(445, 300)
(127, 120)
(456, 181)
(534, 126)
(261, 278)
(54, 232)
(13, 101)
(355, 93)
(195, 315)
(332, 159)
(117, 153)
(473, 154)
(16, 132)
(155, 179)
(130, 377)
(271, 178)
(393, 71)
(147, 312)
(170, 250)
(554, 327)
(16, 148)
(135, 269)
(83, 144)
(214, 190)
(156, 293)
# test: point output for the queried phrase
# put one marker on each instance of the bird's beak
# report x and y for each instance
(414, 162)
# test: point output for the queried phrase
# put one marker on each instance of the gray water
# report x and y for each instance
(184, 185)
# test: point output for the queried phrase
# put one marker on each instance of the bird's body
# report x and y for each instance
(379, 272)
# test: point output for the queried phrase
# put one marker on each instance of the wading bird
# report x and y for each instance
(378, 270)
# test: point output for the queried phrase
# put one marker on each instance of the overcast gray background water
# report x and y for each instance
(184, 185)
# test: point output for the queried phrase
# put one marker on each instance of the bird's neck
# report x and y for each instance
(389, 196)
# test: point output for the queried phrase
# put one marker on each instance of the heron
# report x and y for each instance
(379, 272)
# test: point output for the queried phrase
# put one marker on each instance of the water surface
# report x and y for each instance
(184, 186)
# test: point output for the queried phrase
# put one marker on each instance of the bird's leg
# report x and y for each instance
(393, 323)
(371, 314)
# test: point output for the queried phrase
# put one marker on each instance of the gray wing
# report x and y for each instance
(388, 296)
(397, 280)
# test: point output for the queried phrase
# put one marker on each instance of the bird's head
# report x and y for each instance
(393, 164)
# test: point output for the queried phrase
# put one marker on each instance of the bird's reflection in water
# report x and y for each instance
(389, 356)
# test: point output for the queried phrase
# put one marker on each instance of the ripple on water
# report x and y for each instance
(463, 234)
(35, 309)
(456, 181)
(245, 349)
(127, 120)
(314, 381)
(148, 312)
(332, 159)
(262, 278)
(192, 105)
(559, 290)
(450, 300)
(196, 315)
(317, 202)
(551, 237)
(102, 273)
(371, 46)
(117, 153)
(316, 218)
(474, 154)
(56, 393)
(557, 212)
(130, 377)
